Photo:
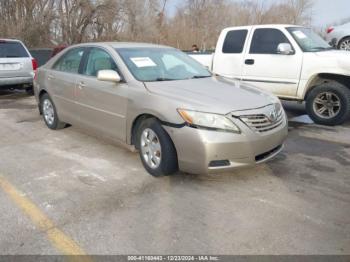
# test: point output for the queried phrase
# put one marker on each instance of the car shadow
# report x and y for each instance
(10, 92)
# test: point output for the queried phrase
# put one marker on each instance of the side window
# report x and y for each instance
(234, 41)
(70, 61)
(99, 60)
(266, 41)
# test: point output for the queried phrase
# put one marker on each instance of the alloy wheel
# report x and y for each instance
(345, 45)
(151, 148)
(327, 105)
(49, 112)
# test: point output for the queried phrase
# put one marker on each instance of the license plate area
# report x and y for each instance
(10, 66)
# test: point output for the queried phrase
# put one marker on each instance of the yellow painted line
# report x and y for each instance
(59, 240)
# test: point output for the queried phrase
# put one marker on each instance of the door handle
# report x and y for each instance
(249, 61)
(49, 77)
(81, 85)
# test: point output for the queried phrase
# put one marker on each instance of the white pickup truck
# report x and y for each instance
(292, 62)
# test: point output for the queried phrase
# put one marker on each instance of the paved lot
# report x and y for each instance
(99, 197)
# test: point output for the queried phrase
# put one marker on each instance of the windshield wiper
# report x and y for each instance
(172, 79)
(164, 79)
(196, 77)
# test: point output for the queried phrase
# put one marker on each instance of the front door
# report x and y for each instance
(102, 105)
(267, 69)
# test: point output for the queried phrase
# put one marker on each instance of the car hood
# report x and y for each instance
(213, 94)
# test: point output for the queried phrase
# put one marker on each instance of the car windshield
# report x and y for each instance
(12, 49)
(161, 64)
(308, 40)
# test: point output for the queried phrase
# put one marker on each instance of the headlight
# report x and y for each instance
(208, 121)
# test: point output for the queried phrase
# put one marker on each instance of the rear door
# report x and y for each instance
(15, 60)
(61, 82)
(102, 105)
(229, 53)
(266, 69)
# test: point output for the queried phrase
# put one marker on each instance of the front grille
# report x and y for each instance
(261, 123)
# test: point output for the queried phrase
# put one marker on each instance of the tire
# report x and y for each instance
(344, 44)
(50, 114)
(29, 90)
(322, 101)
(164, 157)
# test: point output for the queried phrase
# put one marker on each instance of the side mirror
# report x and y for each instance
(109, 76)
(285, 49)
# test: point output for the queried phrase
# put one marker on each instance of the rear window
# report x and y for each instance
(12, 49)
(234, 41)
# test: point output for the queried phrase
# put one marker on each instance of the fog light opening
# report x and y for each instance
(219, 163)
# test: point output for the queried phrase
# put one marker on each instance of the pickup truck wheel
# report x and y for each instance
(49, 112)
(344, 44)
(157, 151)
(329, 104)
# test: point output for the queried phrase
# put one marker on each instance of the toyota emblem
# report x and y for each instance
(273, 115)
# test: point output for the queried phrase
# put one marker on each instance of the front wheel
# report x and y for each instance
(345, 44)
(157, 151)
(329, 104)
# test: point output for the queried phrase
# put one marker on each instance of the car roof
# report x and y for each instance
(10, 40)
(277, 25)
(123, 45)
(261, 26)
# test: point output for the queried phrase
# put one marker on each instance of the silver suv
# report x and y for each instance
(17, 66)
(164, 103)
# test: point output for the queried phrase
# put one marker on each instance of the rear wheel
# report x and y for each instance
(49, 112)
(344, 44)
(157, 151)
(329, 104)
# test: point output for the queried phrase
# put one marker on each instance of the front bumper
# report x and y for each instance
(9, 81)
(202, 151)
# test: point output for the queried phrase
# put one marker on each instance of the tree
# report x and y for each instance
(28, 20)
(42, 23)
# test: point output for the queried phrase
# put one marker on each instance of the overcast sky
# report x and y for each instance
(324, 12)
(330, 11)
